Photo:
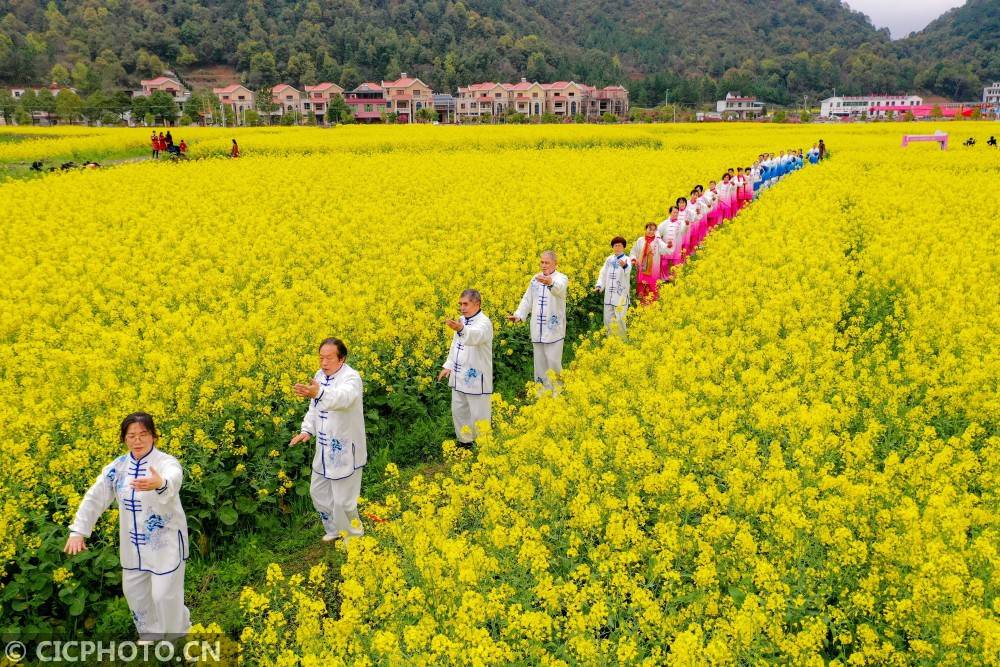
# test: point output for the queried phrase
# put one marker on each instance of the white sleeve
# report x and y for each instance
(602, 276)
(97, 499)
(338, 398)
(524, 308)
(559, 285)
(172, 475)
(477, 333)
(309, 421)
(449, 363)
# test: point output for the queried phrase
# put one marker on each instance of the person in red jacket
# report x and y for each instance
(183, 148)
(156, 145)
(235, 150)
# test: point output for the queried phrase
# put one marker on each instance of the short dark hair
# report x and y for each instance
(143, 418)
(681, 199)
(672, 209)
(650, 224)
(618, 239)
(337, 343)
(472, 294)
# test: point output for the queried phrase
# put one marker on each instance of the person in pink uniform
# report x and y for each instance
(646, 253)
(687, 214)
(728, 192)
(701, 216)
(715, 205)
(671, 232)
(741, 184)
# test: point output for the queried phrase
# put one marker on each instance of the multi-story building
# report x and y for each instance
(318, 99)
(610, 99)
(561, 98)
(991, 97)
(865, 105)
(367, 102)
(287, 99)
(740, 107)
(237, 98)
(406, 96)
(166, 84)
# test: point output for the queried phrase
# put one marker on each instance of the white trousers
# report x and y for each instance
(336, 502)
(548, 357)
(466, 410)
(614, 320)
(157, 603)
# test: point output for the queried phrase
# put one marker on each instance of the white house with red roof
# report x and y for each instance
(482, 99)
(740, 107)
(237, 98)
(318, 98)
(863, 105)
(406, 96)
(566, 98)
(167, 84)
(531, 98)
(367, 102)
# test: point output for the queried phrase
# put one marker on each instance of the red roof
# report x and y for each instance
(556, 85)
(320, 87)
(231, 88)
(402, 83)
(368, 87)
(281, 87)
(524, 85)
(158, 80)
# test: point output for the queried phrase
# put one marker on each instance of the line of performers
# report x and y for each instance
(145, 482)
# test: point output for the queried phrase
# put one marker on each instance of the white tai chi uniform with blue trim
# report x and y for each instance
(336, 419)
(547, 306)
(615, 283)
(153, 537)
(470, 361)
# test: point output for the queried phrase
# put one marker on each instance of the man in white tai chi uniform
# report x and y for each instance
(469, 367)
(545, 302)
(336, 418)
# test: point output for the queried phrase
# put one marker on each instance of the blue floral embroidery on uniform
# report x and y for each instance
(553, 321)
(154, 522)
(471, 374)
(324, 516)
(336, 445)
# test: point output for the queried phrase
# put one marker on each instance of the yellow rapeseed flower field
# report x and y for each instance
(793, 458)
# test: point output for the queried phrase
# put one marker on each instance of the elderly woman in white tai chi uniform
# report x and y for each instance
(153, 533)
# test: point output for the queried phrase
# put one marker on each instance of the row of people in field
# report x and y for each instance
(145, 481)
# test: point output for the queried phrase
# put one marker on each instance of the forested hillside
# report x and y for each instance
(780, 50)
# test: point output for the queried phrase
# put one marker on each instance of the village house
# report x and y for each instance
(406, 96)
(367, 102)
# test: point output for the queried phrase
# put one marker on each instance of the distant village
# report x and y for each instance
(408, 100)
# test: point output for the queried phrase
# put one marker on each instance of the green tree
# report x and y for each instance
(339, 111)
(264, 103)
(936, 112)
(7, 105)
(59, 74)
(95, 105)
(162, 106)
(263, 70)
(68, 106)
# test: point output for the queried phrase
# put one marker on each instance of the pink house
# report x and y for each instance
(922, 111)
(406, 96)
(166, 84)
(287, 99)
(367, 101)
(318, 99)
(236, 97)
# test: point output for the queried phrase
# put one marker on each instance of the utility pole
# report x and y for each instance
(666, 103)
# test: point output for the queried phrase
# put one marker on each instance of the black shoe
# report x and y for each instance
(467, 445)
